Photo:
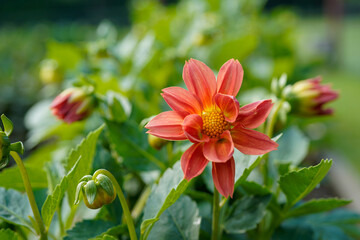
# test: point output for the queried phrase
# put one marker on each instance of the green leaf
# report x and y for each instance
(336, 225)
(180, 221)
(317, 205)
(8, 125)
(68, 55)
(244, 165)
(127, 136)
(8, 234)
(15, 208)
(11, 178)
(88, 229)
(293, 147)
(117, 108)
(246, 213)
(85, 150)
(253, 188)
(53, 200)
(171, 185)
(297, 184)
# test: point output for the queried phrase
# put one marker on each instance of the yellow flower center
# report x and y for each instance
(214, 123)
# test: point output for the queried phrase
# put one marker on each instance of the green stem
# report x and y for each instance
(272, 118)
(216, 212)
(70, 218)
(140, 204)
(30, 194)
(61, 224)
(123, 202)
(269, 132)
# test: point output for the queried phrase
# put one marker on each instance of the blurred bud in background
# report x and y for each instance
(73, 104)
(308, 97)
(50, 71)
(156, 142)
(96, 191)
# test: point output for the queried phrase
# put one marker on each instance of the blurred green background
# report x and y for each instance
(141, 45)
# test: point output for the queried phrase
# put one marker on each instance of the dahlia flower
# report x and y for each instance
(208, 115)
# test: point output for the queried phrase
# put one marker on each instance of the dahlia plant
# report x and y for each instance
(169, 188)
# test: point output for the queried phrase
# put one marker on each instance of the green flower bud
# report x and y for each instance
(96, 191)
(4, 149)
(50, 71)
(156, 142)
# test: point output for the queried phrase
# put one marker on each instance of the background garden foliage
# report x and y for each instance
(127, 68)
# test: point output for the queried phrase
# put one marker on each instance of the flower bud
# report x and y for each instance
(73, 104)
(96, 191)
(4, 149)
(50, 71)
(156, 142)
(307, 97)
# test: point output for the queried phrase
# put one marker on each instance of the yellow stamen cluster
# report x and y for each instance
(214, 123)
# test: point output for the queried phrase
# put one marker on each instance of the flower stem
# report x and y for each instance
(273, 117)
(216, 212)
(61, 224)
(123, 202)
(30, 194)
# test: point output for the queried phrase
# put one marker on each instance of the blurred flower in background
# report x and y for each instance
(72, 105)
(307, 97)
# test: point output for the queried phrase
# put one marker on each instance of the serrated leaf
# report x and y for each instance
(297, 184)
(53, 200)
(88, 229)
(11, 178)
(246, 213)
(171, 185)
(15, 208)
(8, 125)
(317, 205)
(85, 150)
(8, 234)
(180, 221)
(293, 147)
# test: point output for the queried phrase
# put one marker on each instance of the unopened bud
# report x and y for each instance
(307, 97)
(50, 71)
(73, 104)
(156, 142)
(96, 191)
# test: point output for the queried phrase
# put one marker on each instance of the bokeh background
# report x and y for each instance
(139, 47)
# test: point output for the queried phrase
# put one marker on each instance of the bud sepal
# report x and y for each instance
(97, 191)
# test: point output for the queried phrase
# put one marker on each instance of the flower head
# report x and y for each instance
(72, 105)
(209, 115)
(307, 97)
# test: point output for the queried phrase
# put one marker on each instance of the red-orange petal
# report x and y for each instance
(230, 78)
(181, 100)
(224, 177)
(219, 149)
(167, 125)
(228, 105)
(254, 114)
(200, 81)
(192, 127)
(193, 161)
(251, 142)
